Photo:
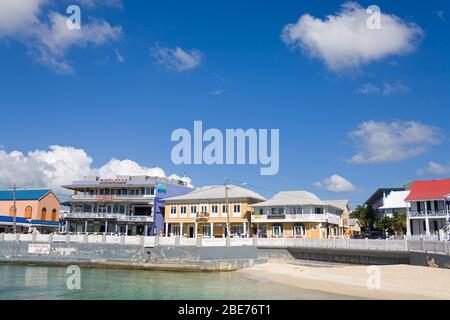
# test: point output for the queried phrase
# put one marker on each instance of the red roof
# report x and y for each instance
(429, 190)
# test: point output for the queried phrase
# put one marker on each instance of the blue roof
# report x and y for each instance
(31, 194)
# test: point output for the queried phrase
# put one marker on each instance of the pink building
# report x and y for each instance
(36, 209)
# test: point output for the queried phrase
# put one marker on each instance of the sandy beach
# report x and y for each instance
(398, 282)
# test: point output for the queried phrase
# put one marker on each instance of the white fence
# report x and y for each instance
(421, 245)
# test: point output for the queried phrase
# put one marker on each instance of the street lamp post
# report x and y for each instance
(228, 211)
(15, 210)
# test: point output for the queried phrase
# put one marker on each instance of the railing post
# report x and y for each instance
(406, 245)
(104, 238)
(122, 239)
(177, 240)
(17, 237)
(366, 244)
(255, 241)
(50, 238)
(85, 238)
(422, 240)
(33, 237)
(142, 241)
(386, 244)
(67, 238)
(2, 237)
(156, 240)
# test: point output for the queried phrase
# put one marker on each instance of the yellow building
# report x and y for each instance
(299, 214)
(203, 212)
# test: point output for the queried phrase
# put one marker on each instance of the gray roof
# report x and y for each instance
(341, 204)
(218, 193)
(292, 198)
(352, 222)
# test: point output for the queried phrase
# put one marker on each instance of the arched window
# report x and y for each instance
(11, 211)
(54, 215)
(43, 213)
(28, 212)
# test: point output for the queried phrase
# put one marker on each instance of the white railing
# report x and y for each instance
(113, 216)
(112, 197)
(421, 245)
(420, 214)
(327, 217)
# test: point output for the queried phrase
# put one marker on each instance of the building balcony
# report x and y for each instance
(278, 218)
(112, 198)
(109, 216)
(429, 214)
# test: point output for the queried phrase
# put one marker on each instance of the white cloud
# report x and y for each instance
(97, 3)
(61, 165)
(49, 39)
(336, 184)
(343, 40)
(435, 168)
(387, 89)
(218, 92)
(441, 15)
(177, 59)
(378, 142)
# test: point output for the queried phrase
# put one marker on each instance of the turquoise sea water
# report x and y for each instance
(36, 282)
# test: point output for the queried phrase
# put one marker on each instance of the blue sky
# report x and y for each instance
(119, 100)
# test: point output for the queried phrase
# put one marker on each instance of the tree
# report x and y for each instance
(385, 224)
(365, 215)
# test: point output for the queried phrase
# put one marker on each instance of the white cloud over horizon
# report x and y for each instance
(60, 165)
(177, 59)
(336, 184)
(435, 168)
(343, 41)
(378, 142)
(46, 35)
(387, 89)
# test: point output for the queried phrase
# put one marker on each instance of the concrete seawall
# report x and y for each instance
(134, 257)
(191, 258)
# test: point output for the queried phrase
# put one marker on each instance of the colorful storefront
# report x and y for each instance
(205, 213)
(36, 209)
(298, 214)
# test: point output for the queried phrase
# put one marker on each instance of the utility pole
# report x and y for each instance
(228, 211)
(15, 210)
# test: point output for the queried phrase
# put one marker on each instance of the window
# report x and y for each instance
(204, 208)
(43, 213)
(11, 212)
(299, 230)
(183, 210)
(194, 209)
(206, 231)
(318, 210)
(173, 210)
(28, 212)
(224, 208)
(261, 211)
(237, 230)
(175, 230)
(54, 215)
(237, 208)
(277, 230)
(121, 209)
(299, 210)
(215, 209)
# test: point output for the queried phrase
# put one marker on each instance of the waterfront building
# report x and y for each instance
(36, 209)
(131, 205)
(388, 201)
(428, 213)
(299, 214)
(204, 212)
(355, 228)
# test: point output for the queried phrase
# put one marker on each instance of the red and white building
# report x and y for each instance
(428, 213)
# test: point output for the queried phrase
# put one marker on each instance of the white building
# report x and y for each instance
(428, 214)
(388, 201)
